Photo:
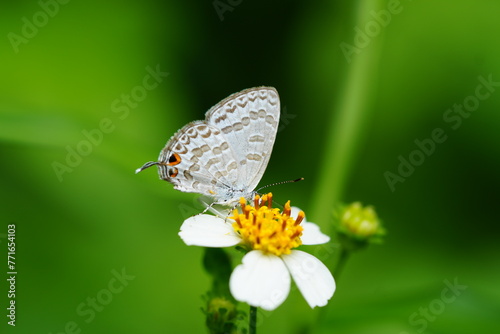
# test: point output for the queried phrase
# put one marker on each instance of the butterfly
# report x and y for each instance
(224, 156)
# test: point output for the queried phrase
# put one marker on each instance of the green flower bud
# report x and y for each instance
(359, 224)
(221, 315)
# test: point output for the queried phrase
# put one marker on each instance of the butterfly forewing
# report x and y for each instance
(249, 121)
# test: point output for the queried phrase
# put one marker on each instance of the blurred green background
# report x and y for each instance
(67, 69)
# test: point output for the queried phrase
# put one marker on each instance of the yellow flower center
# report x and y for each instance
(265, 228)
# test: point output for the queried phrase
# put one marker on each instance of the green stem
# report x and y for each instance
(252, 326)
(345, 130)
(343, 257)
(336, 270)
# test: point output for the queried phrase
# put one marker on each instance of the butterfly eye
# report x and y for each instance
(173, 172)
(174, 159)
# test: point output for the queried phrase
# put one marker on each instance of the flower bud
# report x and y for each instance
(361, 224)
(221, 315)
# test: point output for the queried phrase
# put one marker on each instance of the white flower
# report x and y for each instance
(263, 279)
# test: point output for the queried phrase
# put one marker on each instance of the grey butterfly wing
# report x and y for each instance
(225, 156)
(248, 121)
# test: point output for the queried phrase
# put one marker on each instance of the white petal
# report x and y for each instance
(208, 231)
(312, 277)
(261, 280)
(312, 235)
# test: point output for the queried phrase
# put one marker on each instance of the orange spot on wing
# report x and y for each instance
(174, 159)
(173, 172)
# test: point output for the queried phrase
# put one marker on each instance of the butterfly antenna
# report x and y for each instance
(282, 182)
(146, 165)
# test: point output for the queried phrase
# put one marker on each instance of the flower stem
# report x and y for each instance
(344, 133)
(343, 257)
(336, 270)
(345, 130)
(252, 326)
